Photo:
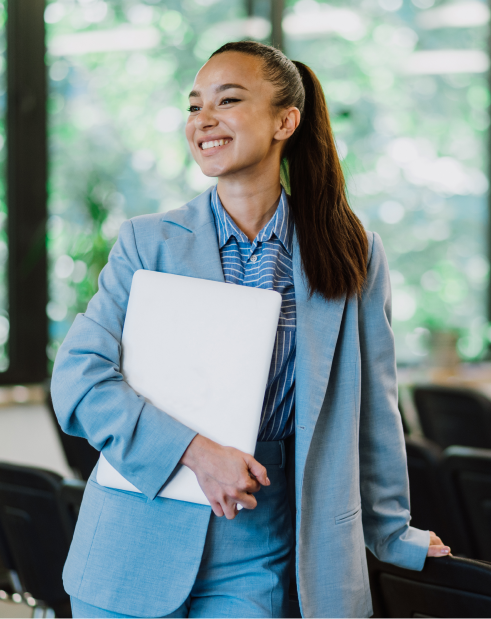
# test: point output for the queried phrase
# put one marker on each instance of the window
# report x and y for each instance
(119, 78)
(394, 73)
(406, 84)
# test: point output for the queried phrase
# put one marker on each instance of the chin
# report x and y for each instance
(213, 171)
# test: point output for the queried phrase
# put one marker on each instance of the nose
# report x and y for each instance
(205, 119)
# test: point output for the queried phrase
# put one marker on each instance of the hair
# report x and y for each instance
(332, 241)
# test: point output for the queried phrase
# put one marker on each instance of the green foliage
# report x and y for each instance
(413, 142)
(92, 248)
(116, 139)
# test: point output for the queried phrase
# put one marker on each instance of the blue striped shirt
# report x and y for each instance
(266, 262)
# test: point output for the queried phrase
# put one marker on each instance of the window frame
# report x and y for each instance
(26, 133)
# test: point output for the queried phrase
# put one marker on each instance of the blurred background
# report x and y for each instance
(407, 88)
(93, 97)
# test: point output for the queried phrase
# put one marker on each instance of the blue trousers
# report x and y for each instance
(244, 567)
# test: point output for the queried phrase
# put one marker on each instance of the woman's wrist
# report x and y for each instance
(194, 452)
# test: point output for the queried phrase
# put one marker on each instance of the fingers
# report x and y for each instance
(437, 548)
(230, 510)
(249, 485)
(258, 470)
(217, 508)
(438, 551)
(230, 480)
(248, 501)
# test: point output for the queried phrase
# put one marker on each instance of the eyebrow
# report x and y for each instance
(221, 88)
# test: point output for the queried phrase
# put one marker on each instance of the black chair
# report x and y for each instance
(432, 500)
(423, 463)
(80, 454)
(446, 587)
(451, 416)
(405, 426)
(469, 474)
(71, 493)
(34, 532)
(9, 579)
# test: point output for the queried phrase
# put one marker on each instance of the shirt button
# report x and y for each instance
(253, 258)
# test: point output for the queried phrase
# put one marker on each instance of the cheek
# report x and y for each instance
(256, 131)
(257, 139)
(189, 132)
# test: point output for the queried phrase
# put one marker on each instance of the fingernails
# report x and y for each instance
(267, 479)
(445, 551)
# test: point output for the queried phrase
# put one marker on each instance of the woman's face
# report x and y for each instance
(232, 126)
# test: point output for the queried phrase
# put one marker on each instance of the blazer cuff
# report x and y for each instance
(414, 549)
(157, 446)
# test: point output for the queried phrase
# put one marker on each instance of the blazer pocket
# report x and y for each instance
(122, 494)
(348, 516)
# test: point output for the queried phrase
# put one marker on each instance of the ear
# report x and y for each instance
(288, 121)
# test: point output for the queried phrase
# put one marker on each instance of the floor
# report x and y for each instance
(28, 436)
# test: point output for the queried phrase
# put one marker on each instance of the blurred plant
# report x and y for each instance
(92, 248)
(412, 138)
(408, 95)
(119, 78)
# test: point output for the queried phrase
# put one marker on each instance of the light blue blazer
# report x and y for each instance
(138, 554)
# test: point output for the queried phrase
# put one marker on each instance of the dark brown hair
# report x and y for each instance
(333, 243)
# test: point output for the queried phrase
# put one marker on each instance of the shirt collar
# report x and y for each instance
(281, 224)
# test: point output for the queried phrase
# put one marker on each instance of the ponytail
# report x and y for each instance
(332, 241)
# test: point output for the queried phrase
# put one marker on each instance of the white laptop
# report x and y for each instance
(200, 351)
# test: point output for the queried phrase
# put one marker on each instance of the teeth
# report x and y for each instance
(214, 143)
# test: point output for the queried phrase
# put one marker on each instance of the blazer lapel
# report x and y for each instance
(193, 245)
(318, 323)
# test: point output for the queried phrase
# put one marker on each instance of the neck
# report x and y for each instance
(250, 204)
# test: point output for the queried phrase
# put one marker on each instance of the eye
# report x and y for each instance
(193, 108)
(228, 100)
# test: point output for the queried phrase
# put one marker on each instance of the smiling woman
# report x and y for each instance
(277, 104)
(329, 473)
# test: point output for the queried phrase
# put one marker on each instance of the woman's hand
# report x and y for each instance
(437, 547)
(226, 475)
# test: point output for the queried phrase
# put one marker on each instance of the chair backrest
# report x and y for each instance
(80, 454)
(9, 579)
(71, 494)
(432, 503)
(469, 473)
(34, 529)
(446, 587)
(6, 566)
(405, 426)
(423, 463)
(451, 416)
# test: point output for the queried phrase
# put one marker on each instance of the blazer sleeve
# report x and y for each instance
(91, 398)
(383, 465)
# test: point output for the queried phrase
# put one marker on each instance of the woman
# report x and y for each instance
(331, 391)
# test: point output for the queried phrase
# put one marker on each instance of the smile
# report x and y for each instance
(213, 144)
